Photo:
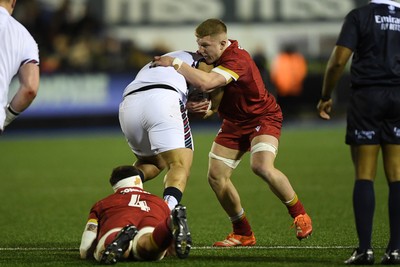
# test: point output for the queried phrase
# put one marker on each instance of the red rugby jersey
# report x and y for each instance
(129, 205)
(246, 97)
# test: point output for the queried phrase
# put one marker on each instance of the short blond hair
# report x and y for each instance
(211, 27)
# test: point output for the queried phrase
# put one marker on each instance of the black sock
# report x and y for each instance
(173, 191)
(364, 206)
(394, 215)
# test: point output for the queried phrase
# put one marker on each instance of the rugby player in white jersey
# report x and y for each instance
(19, 54)
(154, 120)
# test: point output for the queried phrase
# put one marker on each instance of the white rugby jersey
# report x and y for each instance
(17, 47)
(165, 75)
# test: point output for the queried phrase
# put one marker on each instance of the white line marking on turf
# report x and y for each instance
(194, 248)
(38, 249)
(277, 247)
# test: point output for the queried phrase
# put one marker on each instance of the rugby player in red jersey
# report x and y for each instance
(252, 121)
(133, 223)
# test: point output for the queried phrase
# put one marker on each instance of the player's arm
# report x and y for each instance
(29, 85)
(201, 104)
(88, 237)
(203, 81)
(336, 64)
(215, 98)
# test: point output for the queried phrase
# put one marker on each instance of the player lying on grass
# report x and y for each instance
(133, 224)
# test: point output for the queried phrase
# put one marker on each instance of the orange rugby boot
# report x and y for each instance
(233, 240)
(303, 226)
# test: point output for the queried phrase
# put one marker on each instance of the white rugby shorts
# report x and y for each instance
(154, 121)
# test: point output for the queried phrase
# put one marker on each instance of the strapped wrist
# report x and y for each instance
(177, 63)
(11, 114)
(10, 109)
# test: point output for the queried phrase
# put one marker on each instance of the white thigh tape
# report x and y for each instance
(230, 162)
(264, 147)
(144, 230)
(100, 245)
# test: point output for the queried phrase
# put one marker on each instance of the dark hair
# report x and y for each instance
(210, 27)
(121, 172)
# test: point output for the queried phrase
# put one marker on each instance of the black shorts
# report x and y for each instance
(373, 116)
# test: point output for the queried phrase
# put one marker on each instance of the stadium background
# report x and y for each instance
(57, 155)
(91, 49)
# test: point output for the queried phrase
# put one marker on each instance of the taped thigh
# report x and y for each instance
(144, 230)
(229, 162)
(98, 253)
(264, 147)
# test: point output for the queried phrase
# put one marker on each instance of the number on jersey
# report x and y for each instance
(136, 202)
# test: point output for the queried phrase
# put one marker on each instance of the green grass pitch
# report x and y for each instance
(49, 183)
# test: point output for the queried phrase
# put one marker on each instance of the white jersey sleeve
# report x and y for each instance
(17, 48)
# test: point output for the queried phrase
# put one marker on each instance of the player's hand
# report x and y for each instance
(324, 108)
(164, 61)
(199, 108)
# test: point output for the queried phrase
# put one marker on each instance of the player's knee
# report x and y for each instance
(392, 173)
(220, 171)
(260, 164)
(262, 171)
(267, 172)
(392, 178)
(217, 182)
(212, 179)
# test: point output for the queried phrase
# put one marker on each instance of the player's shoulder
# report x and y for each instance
(20, 30)
(373, 6)
(235, 54)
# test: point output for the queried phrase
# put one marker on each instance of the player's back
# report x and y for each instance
(373, 33)
(129, 206)
(165, 75)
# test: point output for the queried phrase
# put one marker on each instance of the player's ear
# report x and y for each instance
(223, 43)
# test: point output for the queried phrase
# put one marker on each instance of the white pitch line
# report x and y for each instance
(196, 248)
(277, 247)
(38, 249)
